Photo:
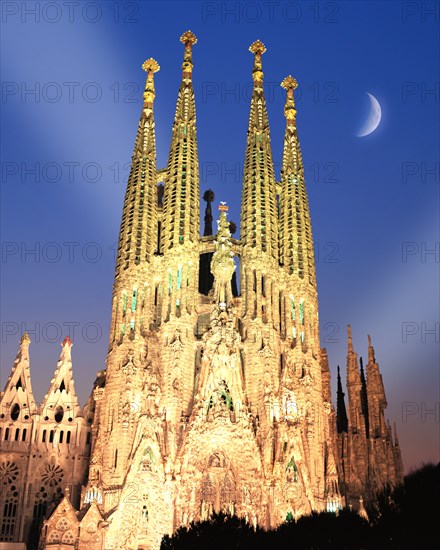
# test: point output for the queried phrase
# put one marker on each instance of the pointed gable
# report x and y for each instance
(92, 523)
(61, 400)
(17, 400)
(62, 525)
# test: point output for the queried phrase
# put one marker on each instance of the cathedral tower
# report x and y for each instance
(211, 401)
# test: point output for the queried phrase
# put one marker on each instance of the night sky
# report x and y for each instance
(71, 100)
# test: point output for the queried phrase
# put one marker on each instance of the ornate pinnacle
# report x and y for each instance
(257, 48)
(150, 66)
(67, 341)
(189, 39)
(223, 207)
(25, 338)
(289, 84)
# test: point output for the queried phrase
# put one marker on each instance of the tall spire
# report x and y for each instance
(296, 243)
(137, 237)
(181, 216)
(259, 221)
(341, 412)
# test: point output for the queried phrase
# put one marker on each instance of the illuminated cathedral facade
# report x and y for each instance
(213, 399)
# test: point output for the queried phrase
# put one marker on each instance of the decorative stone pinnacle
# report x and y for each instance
(151, 66)
(188, 38)
(25, 338)
(257, 47)
(67, 341)
(223, 207)
(289, 83)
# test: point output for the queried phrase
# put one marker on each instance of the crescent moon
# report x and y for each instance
(373, 119)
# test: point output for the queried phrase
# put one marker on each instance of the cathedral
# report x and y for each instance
(216, 395)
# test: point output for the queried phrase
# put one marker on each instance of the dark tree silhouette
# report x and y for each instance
(405, 518)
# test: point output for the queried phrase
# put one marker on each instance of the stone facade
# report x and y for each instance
(210, 401)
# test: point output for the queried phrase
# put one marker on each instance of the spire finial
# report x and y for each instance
(67, 341)
(150, 66)
(188, 38)
(289, 84)
(257, 48)
(350, 339)
(25, 339)
(371, 358)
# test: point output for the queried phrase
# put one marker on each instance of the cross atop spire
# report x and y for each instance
(257, 48)
(188, 38)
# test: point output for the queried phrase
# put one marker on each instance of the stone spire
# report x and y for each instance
(295, 231)
(377, 401)
(61, 399)
(181, 216)
(341, 412)
(137, 237)
(17, 399)
(364, 398)
(354, 388)
(259, 221)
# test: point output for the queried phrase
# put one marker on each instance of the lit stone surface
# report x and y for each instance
(210, 402)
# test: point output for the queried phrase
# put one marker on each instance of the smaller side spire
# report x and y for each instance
(341, 412)
(371, 357)
(364, 398)
(350, 340)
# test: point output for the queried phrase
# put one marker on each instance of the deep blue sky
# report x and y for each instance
(371, 198)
